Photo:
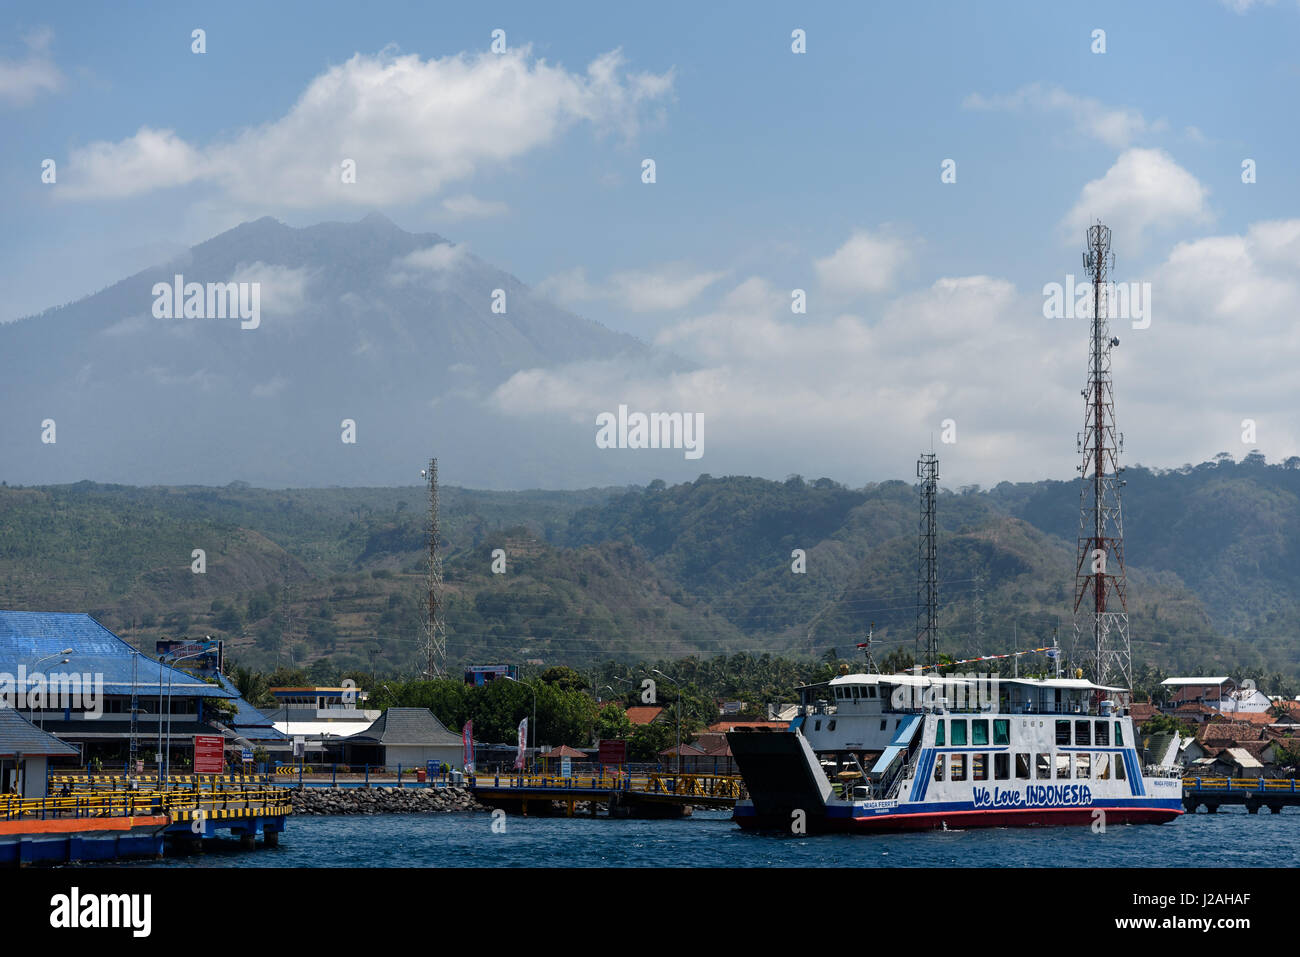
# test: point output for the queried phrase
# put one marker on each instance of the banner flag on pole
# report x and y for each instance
(523, 744)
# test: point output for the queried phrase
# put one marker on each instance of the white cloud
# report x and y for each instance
(412, 126)
(431, 266)
(1114, 126)
(149, 160)
(568, 287)
(856, 396)
(1243, 6)
(23, 80)
(270, 388)
(437, 258)
(467, 206)
(866, 263)
(1145, 189)
(665, 288)
(283, 289)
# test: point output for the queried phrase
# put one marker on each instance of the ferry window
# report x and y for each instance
(1083, 732)
(1022, 766)
(817, 725)
(979, 732)
(1103, 765)
(1119, 768)
(1043, 767)
(958, 732)
(1062, 766)
(883, 722)
(979, 767)
(1001, 731)
(1083, 766)
(872, 689)
(831, 726)
(1119, 735)
(1062, 732)
(1002, 766)
(940, 733)
(1103, 733)
(938, 768)
(958, 764)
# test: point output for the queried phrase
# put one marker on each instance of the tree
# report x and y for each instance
(612, 723)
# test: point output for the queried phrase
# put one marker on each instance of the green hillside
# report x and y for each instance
(335, 576)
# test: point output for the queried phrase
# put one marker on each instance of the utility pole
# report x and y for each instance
(1100, 603)
(435, 629)
(927, 470)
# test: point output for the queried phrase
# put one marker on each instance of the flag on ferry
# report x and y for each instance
(523, 744)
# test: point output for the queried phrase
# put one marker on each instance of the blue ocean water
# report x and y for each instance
(1230, 839)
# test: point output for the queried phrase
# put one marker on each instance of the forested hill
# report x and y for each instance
(299, 576)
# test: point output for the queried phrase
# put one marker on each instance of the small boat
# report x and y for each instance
(871, 753)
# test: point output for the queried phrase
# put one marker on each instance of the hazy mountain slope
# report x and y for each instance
(360, 321)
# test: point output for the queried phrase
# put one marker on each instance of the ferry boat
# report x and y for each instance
(872, 753)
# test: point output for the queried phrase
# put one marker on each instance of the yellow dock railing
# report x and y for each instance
(1239, 784)
(176, 803)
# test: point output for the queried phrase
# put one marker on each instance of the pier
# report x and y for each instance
(95, 818)
(1253, 793)
(653, 795)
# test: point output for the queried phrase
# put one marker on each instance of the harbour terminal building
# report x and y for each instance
(75, 679)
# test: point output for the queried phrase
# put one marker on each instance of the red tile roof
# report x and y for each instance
(752, 725)
(1220, 732)
(644, 714)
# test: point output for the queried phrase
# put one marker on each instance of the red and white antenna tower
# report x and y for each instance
(1100, 602)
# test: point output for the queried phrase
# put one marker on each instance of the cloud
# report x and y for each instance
(283, 289)
(23, 80)
(1114, 126)
(1145, 189)
(1241, 7)
(866, 263)
(665, 288)
(783, 394)
(411, 126)
(431, 266)
(151, 159)
(467, 206)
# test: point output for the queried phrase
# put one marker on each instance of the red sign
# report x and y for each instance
(612, 752)
(209, 754)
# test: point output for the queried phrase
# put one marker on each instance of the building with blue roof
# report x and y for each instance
(76, 679)
(24, 750)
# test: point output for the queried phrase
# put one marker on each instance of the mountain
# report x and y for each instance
(362, 321)
(306, 575)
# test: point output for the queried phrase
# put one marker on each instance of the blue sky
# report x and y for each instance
(769, 163)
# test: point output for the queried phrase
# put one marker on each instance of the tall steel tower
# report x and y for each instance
(927, 572)
(1100, 602)
(435, 629)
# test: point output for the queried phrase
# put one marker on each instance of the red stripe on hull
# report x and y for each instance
(961, 820)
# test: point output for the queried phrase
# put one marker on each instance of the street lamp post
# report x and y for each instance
(532, 730)
(678, 710)
(167, 754)
(64, 653)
